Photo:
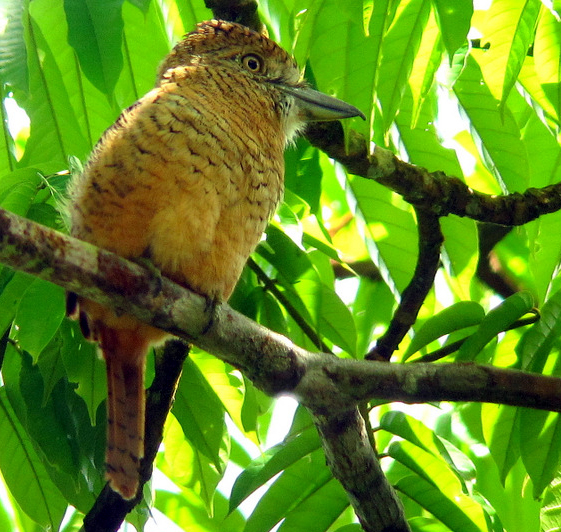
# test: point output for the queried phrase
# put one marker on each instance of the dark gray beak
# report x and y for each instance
(316, 106)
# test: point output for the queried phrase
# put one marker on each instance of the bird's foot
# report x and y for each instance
(211, 304)
(156, 278)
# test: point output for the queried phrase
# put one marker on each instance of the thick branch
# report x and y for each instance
(434, 191)
(376, 504)
(323, 382)
(330, 387)
(241, 11)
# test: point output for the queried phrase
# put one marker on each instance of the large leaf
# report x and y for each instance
(547, 57)
(465, 516)
(501, 427)
(24, 472)
(458, 316)
(496, 321)
(497, 132)
(201, 414)
(305, 485)
(390, 232)
(540, 445)
(454, 20)
(36, 329)
(509, 29)
(272, 462)
(398, 51)
(95, 31)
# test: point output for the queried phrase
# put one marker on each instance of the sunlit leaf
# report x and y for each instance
(398, 50)
(509, 29)
(502, 434)
(548, 57)
(535, 345)
(24, 472)
(455, 317)
(454, 19)
(37, 329)
(272, 462)
(540, 445)
(466, 516)
(304, 485)
(551, 509)
(498, 135)
(496, 321)
(201, 414)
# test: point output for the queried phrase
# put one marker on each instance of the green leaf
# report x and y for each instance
(201, 414)
(83, 366)
(498, 134)
(547, 58)
(187, 466)
(501, 427)
(333, 318)
(453, 318)
(399, 49)
(18, 190)
(227, 385)
(36, 329)
(332, 37)
(390, 232)
(495, 322)
(433, 470)
(141, 62)
(55, 131)
(303, 173)
(13, 72)
(422, 144)
(459, 253)
(418, 434)
(551, 507)
(304, 486)
(425, 67)
(13, 64)
(537, 342)
(188, 512)
(355, 527)
(454, 18)
(540, 445)
(457, 512)
(509, 28)
(95, 31)
(24, 473)
(366, 315)
(272, 462)
(16, 283)
(60, 428)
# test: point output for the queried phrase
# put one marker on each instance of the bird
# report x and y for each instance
(187, 178)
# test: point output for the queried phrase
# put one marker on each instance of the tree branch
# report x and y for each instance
(330, 387)
(413, 297)
(240, 11)
(432, 191)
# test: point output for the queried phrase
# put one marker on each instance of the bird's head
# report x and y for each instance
(236, 47)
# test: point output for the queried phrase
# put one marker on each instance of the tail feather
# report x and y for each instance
(125, 362)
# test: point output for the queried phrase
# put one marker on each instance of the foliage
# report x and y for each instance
(472, 93)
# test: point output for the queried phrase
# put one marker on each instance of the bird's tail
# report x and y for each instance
(125, 360)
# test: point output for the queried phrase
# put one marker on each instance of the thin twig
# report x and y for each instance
(288, 306)
(413, 297)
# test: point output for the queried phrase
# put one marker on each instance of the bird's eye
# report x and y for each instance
(252, 62)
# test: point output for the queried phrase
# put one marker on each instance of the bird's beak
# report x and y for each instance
(316, 106)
